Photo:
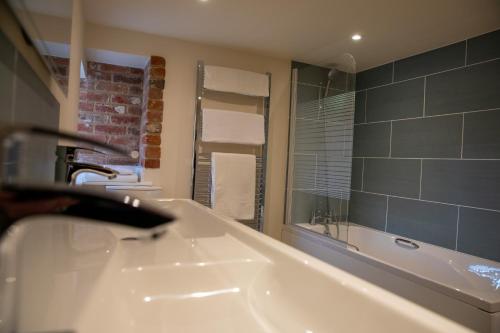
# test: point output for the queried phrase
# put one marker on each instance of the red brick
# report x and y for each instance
(154, 116)
(86, 106)
(155, 93)
(125, 120)
(135, 90)
(152, 151)
(104, 108)
(152, 128)
(136, 71)
(121, 140)
(150, 163)
(131, 79)
(60, 61)
(86, 84)
(97, 97)
(97, 75)
(157, 61)
(134, 109)
(155, 105)
(83, 96)
(157, 73)
(84, 127)
(111, 87)
(133, 131)
(110, 129)
(112, 68)
(160, 84)
(151, 139)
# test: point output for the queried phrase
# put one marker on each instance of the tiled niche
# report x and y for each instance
(426, 155)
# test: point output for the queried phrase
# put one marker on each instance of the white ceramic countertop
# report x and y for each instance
(208, 273)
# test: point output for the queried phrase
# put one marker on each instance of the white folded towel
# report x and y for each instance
(236, 81)
(233, 185)
(232, 127)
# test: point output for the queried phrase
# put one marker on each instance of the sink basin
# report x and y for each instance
(208, 273)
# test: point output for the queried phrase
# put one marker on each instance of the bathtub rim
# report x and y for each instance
(473, 300)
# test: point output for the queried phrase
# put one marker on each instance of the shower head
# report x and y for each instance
(332, 73)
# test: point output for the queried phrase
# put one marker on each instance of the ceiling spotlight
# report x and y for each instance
(356, 37)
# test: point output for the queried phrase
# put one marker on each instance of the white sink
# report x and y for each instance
(207, 274)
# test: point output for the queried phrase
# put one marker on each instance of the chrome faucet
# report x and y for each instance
(79, 168)
(18, 201)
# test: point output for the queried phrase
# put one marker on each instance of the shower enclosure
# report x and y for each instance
(320, 151)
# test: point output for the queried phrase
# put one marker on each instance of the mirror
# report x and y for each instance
(47, 25)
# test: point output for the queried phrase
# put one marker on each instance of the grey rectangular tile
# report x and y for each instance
(304, 171)
(307, 101)
(479, 233)
(443, 58)
(396, 101)
(428, 222)
(357, 174)
(482, 134)
(472, 183)
(435, 137)
(484, 47)
(392, 176)
(359, 113)
(372, 140)
(311, 74)
(472, 88)
(368, 209)
(374, 77)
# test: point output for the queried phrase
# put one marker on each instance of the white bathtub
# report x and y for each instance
(465, 278)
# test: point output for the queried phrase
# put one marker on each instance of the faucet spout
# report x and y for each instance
(21, 201)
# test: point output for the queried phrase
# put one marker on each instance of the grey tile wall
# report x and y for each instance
(395, 101)
(427, 147)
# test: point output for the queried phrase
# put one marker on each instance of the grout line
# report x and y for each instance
(435, 73)
(428, 158)
(421, 170)
(466, 47)
(390, 142)
(456, 235)
(363, 175)
(462, 143)
(425, 90)
(386, 213)
(366, 102)
(429, 201)
(428, 116)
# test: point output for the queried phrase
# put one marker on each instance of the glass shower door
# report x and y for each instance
(320, 155)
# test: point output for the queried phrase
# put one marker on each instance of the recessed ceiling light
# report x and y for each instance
(356, 37)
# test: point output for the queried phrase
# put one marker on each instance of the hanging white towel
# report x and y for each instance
(236, 81)
(232, 127)
(233, 185)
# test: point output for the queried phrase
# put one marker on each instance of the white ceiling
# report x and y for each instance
(313, 31)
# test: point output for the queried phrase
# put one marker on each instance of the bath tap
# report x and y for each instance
(316, 214)
(18, 201)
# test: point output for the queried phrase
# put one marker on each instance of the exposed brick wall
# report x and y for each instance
(122, 106)
(61, 69)
(110, 109)
(152, 112)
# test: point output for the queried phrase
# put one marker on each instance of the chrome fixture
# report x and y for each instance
(18, 201)
(78, 168)
(316, 214)
(331, 74)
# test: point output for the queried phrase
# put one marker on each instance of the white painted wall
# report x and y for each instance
(179, 97)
